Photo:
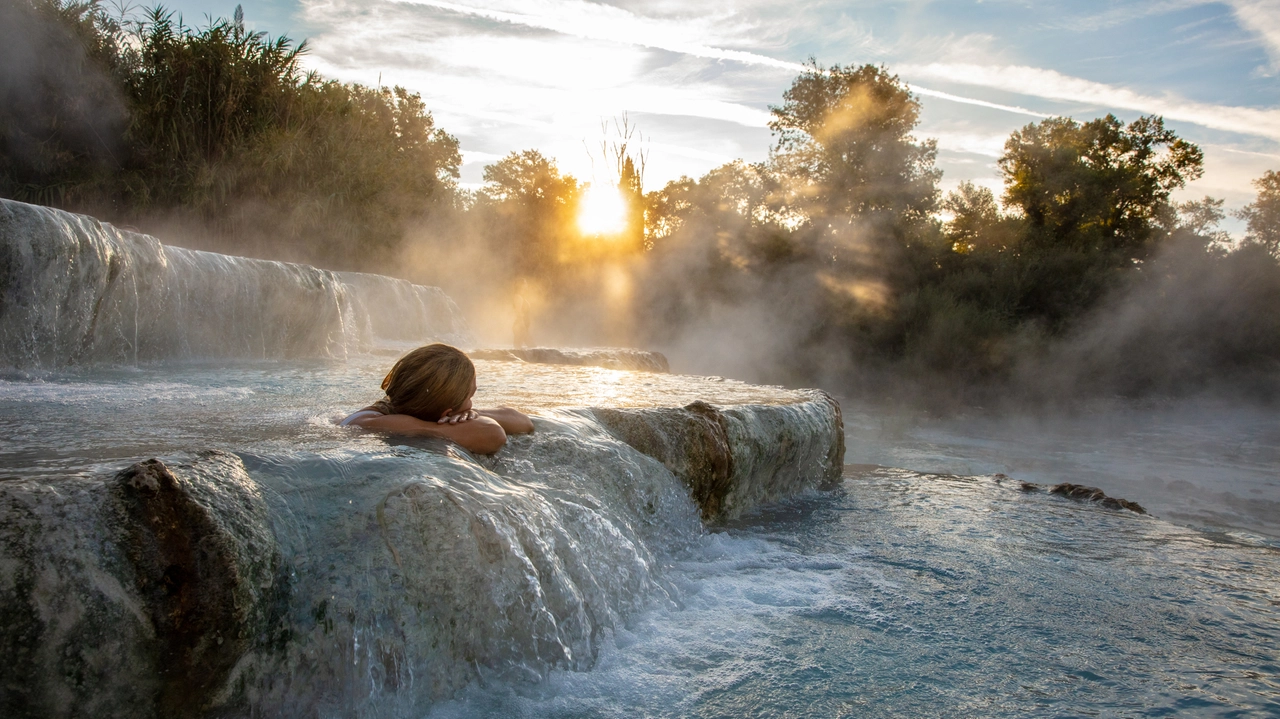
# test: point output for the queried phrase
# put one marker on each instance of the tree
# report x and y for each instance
(624, 154)
(62, 115)
(1099, 186)
(844, 135)
(725, 218)
(532, 208)
(976, 221)
(1200, 218)
(217, 130)
(1263, 215)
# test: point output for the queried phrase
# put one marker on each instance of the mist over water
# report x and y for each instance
(570, 575)
(1202, 462)
(910, 594)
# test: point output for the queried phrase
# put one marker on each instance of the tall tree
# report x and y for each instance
(215, 129)
(1263, 215)
(844, 134)
(532, 208)
(1097, 186)
(976, 221)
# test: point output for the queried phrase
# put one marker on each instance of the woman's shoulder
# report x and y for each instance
(366, 413)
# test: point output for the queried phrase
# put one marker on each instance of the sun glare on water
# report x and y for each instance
(602, 211)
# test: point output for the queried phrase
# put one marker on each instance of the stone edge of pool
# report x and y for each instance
(143, 593)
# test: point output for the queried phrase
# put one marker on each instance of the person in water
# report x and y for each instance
(429, 393)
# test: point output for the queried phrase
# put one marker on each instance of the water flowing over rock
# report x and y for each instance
(237, 584)
(74, 291)
(302, 569)
(737, 458)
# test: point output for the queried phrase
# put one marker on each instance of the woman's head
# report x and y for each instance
(430, 381)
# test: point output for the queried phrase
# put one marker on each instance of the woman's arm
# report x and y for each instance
(512, 422)
(481, 435)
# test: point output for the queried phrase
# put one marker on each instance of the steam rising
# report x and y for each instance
(827, 264)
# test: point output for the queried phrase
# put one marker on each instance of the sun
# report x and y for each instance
(602, 211)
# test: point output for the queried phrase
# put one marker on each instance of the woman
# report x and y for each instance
(429, 393)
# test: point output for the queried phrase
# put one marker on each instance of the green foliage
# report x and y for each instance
(1263, 215)
(834, 245)
(822, 239)
(976, 221)
(844, 134)
(223, 132)
(198, 97)
(1096, 187)
(527, 210)
(61, 111)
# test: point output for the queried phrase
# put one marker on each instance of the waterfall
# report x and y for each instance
(266, 562)
(371, 581)
(77, 291)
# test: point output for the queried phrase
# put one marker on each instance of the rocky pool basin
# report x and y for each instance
(195, 539)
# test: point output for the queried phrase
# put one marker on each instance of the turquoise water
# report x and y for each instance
(902, 593)
(574, 573)
(906, 594)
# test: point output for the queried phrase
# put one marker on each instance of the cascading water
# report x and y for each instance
(642, 552)
(77, 291)
(297, 567)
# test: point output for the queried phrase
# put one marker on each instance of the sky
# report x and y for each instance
(697, 77)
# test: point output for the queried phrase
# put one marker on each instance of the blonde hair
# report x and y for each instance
(428, 381)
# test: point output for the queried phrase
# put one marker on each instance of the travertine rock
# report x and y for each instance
(736, 458)
(135, 596)
(1093, 494)
(221, 585)
(608, 358)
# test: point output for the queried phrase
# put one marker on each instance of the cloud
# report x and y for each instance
(487, 75)
(1118, 15)
(1053, 85)
(970, 143)
(595, 21)
(606, 23)
(514, 74)
(926, 92)
(473, 156)
(1261, 17)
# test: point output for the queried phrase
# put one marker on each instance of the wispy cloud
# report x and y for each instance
(595, 21)
(926, 92)
(603, 22)
(1053, 85)
(1261, 17)
(513, 74)
(1119, 15)
(972, 143)
(491, 75)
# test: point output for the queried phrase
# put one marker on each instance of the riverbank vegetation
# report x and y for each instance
(836, 261)
(216, 134)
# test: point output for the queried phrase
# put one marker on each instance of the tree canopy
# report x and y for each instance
(530, 207)
(844, 134)
(217, 129)
(1263, 215)
(1099, 185)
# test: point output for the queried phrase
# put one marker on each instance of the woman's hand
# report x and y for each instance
(458, 418)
